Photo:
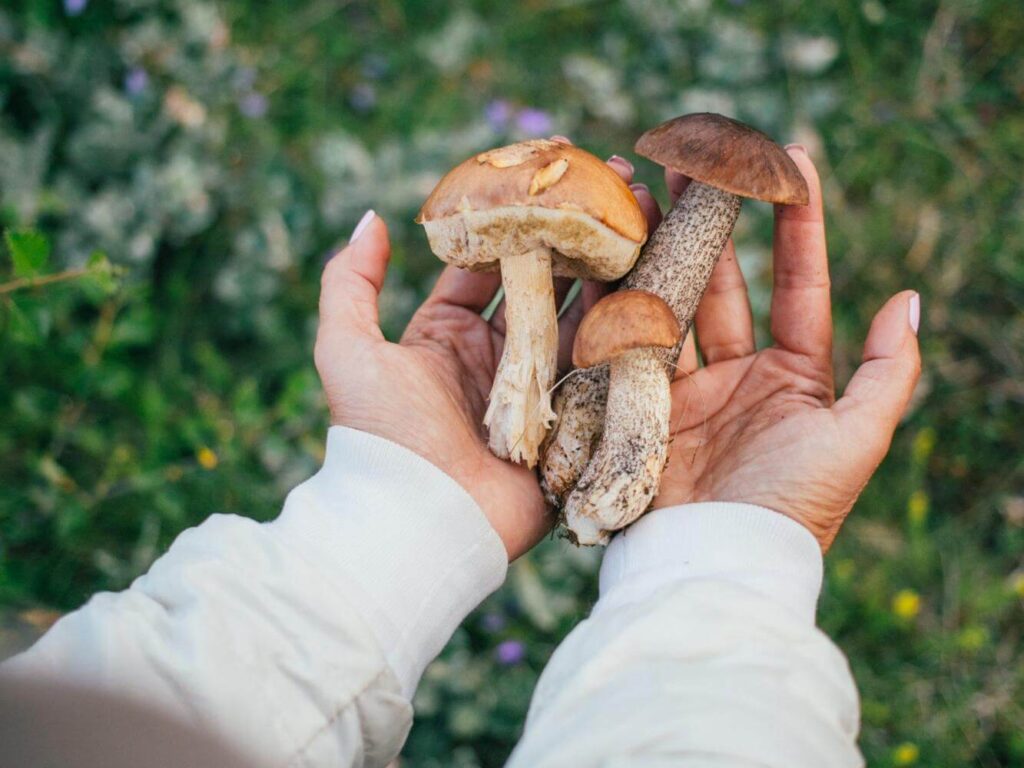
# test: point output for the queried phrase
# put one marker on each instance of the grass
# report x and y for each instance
(131, 415)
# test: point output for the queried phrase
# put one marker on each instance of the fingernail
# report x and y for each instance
(797, 147)
(638, 187)
(915, 312)
(561, 138)
(362, 225)
(624, 161)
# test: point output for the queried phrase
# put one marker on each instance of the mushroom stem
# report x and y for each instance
(624, 473)
(675, 265)
(519, 412)
(579, 419)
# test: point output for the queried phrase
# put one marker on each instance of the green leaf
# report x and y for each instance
(20, 326)
(30, 251)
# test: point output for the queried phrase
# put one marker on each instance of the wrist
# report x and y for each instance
(740, 543)
(810, 510)
(510, 499)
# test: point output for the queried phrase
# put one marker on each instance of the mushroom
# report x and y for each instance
(725, 160)
(532, 209)
(633, 332)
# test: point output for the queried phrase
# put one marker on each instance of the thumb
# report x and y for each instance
(877, 395)
(352, 281)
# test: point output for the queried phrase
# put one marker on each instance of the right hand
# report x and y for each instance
(764, 427)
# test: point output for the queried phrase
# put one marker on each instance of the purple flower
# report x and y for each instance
(534, 122)
(493, 622)
(363, 97)
(74, 7)
(498, 113)
(136, 81)
(510, 652)
(253, 105)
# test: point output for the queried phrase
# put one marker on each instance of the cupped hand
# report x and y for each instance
(764, 427)
(429, 392)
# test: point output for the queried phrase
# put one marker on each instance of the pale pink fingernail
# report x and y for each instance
(915, 312)
(561, 138)
(638, 187)
(362, 225)
(622, 160)
(797, 148)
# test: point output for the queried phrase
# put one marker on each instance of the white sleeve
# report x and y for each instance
(302, 640)
(701, 651)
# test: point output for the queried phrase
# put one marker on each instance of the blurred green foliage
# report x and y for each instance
(216, 151)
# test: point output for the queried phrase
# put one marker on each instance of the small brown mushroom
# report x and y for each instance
(532, 209)
(725, 159)
(631, 331)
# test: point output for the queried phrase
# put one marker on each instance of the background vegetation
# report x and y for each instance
(214, 152)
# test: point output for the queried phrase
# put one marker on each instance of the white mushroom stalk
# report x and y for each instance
(533, 210)
(519, 413)
(606, 473)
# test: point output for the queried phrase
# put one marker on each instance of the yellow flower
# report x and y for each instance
(906, 604)
(924, 444)
(1017, 584)
(207, 458)
(906, 753)
(917, 507)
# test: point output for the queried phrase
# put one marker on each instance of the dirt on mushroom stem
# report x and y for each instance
(676, 265)
(519, 413)
(623, 475)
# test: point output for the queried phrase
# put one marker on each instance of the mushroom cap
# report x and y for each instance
(622, 321)
(726, 154)
(536, 194)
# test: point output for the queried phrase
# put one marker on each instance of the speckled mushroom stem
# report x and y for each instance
(633, 449)
(519, 413)
(676, 265)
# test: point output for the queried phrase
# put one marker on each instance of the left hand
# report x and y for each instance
(429, 392)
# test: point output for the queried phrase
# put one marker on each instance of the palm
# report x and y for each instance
(450, 353)
(763, 427)
(429, 392)
(758, 429)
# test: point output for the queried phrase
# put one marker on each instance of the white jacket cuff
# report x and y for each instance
(414, 541)
(742, 544)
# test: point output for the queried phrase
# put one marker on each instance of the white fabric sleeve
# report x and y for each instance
(701, 651)
(300, 640)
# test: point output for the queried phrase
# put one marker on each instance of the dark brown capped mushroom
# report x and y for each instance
(725, 160)
(727, 154)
